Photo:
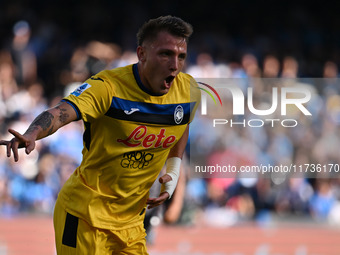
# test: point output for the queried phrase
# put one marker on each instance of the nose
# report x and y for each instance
(174, 64)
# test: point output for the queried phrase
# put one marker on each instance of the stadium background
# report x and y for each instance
(60, 43)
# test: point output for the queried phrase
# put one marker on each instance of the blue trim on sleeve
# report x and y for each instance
(74, 107)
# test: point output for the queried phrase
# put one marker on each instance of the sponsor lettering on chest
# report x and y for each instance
(139, 137)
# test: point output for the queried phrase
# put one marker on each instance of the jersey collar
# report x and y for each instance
(139, 81)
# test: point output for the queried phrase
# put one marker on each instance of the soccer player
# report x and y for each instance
(136, 119)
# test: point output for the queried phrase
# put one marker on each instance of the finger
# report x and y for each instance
(164, 195)
(3, 142)
(29, 147)
(161, 196)
(17, 135)
(6, 143)
(8, 147)
(150, 200)
(15, 151)
(154, 202)
(165, 178)
(150, 206)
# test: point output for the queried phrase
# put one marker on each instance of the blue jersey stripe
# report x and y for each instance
(161, 109)
(168, 114)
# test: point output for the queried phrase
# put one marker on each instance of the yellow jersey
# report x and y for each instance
(128, 135)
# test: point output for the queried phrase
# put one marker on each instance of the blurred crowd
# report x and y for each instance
(35, 74)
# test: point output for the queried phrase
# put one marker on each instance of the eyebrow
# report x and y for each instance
(181, 54)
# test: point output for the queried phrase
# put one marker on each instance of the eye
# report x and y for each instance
(165, 54)
(182, 56)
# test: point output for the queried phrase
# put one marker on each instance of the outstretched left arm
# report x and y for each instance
(42, 126)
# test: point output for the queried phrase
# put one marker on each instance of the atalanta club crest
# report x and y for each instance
(178, 114)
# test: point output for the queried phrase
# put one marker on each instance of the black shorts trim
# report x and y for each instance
(70, 231)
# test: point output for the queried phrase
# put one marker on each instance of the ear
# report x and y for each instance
(141, 53)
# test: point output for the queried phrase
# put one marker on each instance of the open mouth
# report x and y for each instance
(169, 79)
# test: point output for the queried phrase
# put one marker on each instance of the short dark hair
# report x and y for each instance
(173, 25)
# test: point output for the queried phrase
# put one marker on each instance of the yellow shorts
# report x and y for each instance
(74, 236)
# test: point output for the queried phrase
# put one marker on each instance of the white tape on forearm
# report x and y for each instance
(173, 166)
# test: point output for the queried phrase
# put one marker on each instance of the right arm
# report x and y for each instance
(42, 126)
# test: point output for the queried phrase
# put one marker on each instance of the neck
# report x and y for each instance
(142, 76)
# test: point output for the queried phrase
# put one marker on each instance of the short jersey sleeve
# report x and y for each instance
(92, 99)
